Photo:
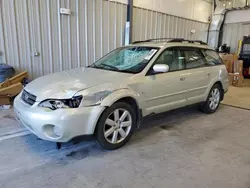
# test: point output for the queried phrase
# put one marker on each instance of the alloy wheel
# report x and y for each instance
(117, 126)
(214, 99)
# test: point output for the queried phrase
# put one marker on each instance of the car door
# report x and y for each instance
(197, 75)
(165, 91)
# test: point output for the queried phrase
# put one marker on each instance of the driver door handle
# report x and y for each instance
(182, 79)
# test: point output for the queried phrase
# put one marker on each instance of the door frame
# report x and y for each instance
(151, 66)
(167, 106)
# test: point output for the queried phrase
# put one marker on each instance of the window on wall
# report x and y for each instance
(212, 57)
(172, 58)
(193, 58)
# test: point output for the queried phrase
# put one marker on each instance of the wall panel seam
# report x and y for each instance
(5, 60)
(59, 36)
(50, 37)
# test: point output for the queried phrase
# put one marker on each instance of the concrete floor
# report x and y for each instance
(239, 96)
(180, 149)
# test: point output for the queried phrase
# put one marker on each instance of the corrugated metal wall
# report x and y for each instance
(34, 36)
(151, 24)
(233, 32)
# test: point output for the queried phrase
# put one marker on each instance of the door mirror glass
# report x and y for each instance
(160, 68)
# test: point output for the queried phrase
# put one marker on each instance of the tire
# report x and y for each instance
(116, 126)
(213, 100)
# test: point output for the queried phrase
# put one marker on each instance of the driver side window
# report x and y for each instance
(172, 58)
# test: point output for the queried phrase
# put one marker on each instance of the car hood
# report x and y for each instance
(66, 84)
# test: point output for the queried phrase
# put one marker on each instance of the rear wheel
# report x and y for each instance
(213, 100)
(116, 125)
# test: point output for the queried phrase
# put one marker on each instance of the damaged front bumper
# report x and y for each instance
(59, 125)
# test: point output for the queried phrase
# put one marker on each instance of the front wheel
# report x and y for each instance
(213, 100)
(116, 125)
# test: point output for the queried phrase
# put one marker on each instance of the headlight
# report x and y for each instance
(54, 104)
(95, 98)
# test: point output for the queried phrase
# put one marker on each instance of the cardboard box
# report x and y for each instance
(4, 101)
(237, 80)
(11, 91)
(232, 63)
(230, 78)
(238, 67)
(228, 57)
(11, 87)
(228, 60)
(229, 66)
(14, 80)
(236, 57)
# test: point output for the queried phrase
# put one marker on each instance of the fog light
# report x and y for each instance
(52, 131)
(57, 131)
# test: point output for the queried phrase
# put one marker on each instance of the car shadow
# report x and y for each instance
(150, 126)
(170, 120)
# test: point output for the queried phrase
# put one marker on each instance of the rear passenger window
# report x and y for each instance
(193, 58)
(212, 57)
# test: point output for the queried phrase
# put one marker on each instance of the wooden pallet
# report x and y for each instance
(15, 79)
(11, 87)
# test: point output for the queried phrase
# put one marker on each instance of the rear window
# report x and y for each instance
(212, 57)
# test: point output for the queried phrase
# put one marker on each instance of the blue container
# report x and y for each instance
(6, 71)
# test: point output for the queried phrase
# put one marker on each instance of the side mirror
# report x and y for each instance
(160, 68)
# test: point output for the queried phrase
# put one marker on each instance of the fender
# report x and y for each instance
(122, 93)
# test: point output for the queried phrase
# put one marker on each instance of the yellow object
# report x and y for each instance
(239, 46)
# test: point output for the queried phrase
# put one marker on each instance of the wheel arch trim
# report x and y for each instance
(215, 81)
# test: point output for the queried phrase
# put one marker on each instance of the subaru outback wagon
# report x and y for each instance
(109, 98)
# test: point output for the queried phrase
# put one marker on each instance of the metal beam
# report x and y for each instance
(130, 19)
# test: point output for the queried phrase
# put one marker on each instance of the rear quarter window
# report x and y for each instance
(212, 57)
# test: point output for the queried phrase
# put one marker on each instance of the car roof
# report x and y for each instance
(164, 44)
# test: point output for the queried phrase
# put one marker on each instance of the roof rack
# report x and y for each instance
(199, 41)
(188, 41)
(178, 40)
(139, 41)
(172, 40)
(151, 40)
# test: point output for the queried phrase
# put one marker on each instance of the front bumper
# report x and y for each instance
(68, 123)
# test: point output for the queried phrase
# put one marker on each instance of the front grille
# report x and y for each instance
(28, 97)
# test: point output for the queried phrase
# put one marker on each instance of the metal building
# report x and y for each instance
(36, 36)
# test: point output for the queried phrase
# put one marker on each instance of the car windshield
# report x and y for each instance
(126, 59)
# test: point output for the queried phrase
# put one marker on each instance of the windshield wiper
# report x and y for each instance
(110, 66)
(94, 66)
